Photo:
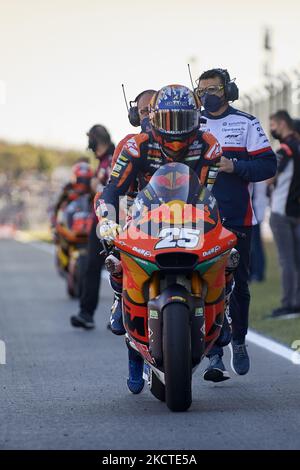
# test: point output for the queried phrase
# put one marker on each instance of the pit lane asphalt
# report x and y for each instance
(63, 388)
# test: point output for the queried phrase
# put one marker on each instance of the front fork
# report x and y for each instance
(176, 293)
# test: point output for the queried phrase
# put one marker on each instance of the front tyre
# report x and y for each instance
(177, 356)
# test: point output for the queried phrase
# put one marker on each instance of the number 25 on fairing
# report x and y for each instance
(178, 238)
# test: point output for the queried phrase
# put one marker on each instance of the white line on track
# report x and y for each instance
(291, 355)
(50, 249)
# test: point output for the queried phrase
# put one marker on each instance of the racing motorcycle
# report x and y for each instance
(73, 224)
(173, 254)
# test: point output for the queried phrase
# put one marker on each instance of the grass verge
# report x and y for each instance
(264, 297)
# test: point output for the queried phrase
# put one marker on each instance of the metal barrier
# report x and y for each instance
(278, 92)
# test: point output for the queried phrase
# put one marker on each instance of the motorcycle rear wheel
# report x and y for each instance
(177, 356)
(76, 277)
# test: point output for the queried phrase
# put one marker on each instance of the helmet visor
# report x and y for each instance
(169, 121)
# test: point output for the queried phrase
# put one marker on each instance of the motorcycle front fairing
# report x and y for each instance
(176, 239)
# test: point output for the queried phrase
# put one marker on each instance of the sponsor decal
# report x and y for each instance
(154, 165)
(141, 251)
(153, 314)
(199, 311)
(232, 136)
(148, 195)
(213, 250)
(237, 123)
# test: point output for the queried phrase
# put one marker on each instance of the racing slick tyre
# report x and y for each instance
(177, 356)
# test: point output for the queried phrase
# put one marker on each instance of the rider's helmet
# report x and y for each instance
(175, 118)
(81, 175)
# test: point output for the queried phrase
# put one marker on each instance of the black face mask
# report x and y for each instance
(275, 135)
(212, 103)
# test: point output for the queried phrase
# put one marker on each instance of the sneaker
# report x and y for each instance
(135, 381)
(284, 312)
(240, 363)
(116, 320)
(216, 371)
(83, 320)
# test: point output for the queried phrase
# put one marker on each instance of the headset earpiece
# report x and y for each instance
(133, 115)
(230, 87)
(232, 91)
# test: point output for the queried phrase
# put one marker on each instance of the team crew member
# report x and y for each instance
(100, 143)
(285, 211)
(247, 158)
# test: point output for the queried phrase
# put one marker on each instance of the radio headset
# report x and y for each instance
(230, 87)
(132, 109)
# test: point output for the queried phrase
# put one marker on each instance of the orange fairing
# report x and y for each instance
(188, 224)
(210, 244)
(133, 279)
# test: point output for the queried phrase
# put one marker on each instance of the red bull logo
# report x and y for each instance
(178, 213)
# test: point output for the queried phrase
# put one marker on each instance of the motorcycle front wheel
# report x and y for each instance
(177, 356)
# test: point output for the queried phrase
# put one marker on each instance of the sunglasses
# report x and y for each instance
(210, 90)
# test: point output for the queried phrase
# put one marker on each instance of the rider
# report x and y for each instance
(174, 136)
(81, 174)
